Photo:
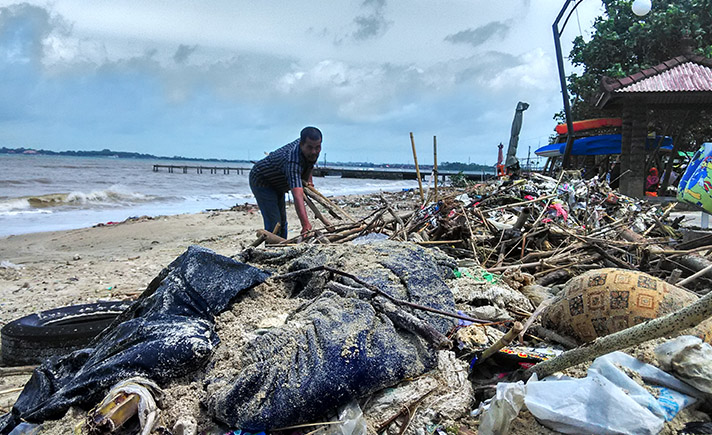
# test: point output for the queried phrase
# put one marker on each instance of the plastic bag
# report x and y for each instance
(503, 408)
(690, 359)
(352, 422)
(607, 401)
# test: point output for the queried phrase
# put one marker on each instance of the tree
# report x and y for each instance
(623, 44)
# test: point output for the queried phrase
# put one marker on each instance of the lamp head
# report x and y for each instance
(641, 7)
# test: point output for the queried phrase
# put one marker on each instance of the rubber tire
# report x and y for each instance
(31, 339)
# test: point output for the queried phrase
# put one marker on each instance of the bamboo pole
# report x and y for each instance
(435, 165)
(506, 340)
(417, 169)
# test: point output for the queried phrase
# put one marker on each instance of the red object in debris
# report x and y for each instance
(588, 124)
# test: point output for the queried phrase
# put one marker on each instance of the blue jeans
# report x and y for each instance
(272, 207)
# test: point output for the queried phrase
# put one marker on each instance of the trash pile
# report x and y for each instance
(554, 229)
(364, 328)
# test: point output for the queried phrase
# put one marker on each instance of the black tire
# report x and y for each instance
(34, 338)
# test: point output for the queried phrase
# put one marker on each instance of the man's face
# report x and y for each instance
(311, 149)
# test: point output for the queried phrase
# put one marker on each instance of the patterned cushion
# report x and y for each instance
(603, 301)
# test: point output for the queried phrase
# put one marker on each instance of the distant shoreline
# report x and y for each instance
(107, 153)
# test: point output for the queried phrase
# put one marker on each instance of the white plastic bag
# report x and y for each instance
(607, 401)
(688, 358)
(503, 408)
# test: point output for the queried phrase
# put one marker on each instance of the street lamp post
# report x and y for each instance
(640, 8)
(562, 80)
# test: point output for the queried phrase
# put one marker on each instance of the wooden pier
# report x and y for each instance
(200, 169)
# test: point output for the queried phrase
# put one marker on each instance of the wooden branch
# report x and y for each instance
(674, 322)
(269, 237)
(261, 237)
(333, 209)
(317, 213)
(506, 340)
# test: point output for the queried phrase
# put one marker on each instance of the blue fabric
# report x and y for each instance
(610, 144)
(272, 207)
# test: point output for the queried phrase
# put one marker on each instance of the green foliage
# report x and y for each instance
(459, 180)
(623, 43)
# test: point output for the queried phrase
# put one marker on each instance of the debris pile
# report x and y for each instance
(438, 319)
(554, 229)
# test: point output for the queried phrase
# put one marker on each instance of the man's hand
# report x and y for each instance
(298, 194)
(306, 228)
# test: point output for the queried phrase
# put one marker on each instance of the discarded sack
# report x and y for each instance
(337, 347)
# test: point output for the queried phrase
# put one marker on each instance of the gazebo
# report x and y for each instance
(684, 82)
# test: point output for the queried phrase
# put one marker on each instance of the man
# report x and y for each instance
(281, 171)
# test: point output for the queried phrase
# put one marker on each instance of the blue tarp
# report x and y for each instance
(599, 145)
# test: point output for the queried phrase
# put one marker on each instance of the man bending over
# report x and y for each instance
(283, 170)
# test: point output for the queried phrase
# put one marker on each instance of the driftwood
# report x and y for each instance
(684, 318)
(332, 208)
(269, 237)
(15, 371)
(317, 212)
(506, 340)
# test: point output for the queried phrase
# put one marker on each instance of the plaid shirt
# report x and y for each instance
(282, 170)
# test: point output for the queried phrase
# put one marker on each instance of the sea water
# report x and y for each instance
(49, 193)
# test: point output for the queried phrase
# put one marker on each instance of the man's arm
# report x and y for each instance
(298, 194)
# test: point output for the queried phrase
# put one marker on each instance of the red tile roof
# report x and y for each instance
(682, 79)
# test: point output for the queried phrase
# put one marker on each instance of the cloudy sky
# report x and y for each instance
(233, 79)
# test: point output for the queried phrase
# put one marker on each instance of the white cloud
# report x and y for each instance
(163, 78)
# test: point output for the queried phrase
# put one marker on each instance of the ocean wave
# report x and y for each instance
(115, 195)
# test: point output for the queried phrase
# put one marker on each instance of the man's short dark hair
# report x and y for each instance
(312, 133)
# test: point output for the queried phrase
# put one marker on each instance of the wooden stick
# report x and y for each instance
(517, 204)
(666, 212)
(506, 340)
(694, 276)
(417, 169)
(472, 236)
(317, 213)
(396, 217)
(261, 237)
(15, 371)
(309, 193)
(674, 322)
(435, 166)
(319, 197)
(269, 237)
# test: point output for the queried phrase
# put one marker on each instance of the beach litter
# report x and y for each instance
(430, 313)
